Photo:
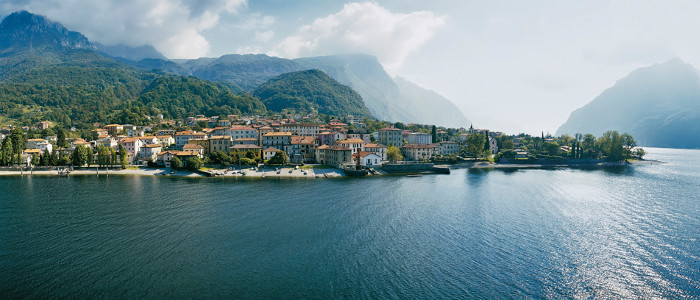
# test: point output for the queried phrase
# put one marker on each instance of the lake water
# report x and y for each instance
(622, 232)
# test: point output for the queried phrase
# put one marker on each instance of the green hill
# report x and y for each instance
(311, 90)
(75, 85)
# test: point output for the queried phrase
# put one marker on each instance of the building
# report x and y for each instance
(166, 140)
(245, 141)
(149, 152)
(416, 152)
(334, 156)
(40, 144)
(329, 138)
(303, 149)
(354, 144)
(377, 149)
(419, 138)
(114, 129)
(184, 137)
(194, 147)
(301, 129)
(390, 136)
(43, 125)
(447, 148)
(493, 145)
(269, 153)
(368, 159)
(279, 140)
(243, 150)
(220, 143)
(132, 145)
(240, 131)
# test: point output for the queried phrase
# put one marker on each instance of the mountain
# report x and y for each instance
(59, 76)
(130, 53)
(658, 105)
(21, 30)
(434, 108)
(363, 73)
(311, 90)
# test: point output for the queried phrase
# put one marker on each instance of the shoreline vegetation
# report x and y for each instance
(291, 172)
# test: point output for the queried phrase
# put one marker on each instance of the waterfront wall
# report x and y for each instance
(544, 161)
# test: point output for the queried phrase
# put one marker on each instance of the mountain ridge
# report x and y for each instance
(654, 104)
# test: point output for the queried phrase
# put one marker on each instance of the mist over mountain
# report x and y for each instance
(131, 53)
(658, 105)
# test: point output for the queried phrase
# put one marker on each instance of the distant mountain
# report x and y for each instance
(131, 53)
(22, 30)
(308, 91)
(658, 105)
(50, 73)
(433, 108)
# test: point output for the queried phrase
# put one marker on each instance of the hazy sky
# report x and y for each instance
(515, 66)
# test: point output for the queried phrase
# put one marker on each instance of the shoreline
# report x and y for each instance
(288, 172)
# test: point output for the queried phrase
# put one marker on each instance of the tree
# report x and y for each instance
(393, 154)
(194, 163)
(60, 138)
(80, 156)
(123, 156)
(175, 163)
(18, 143)
(53, 159)
(280, 158)
(35, 159)
(588, 147)
(90, 156)
(475, 144)
(434, 132)
(507, 144)
(114, 157)
(552, 148)
(7, 151)
(221, 158)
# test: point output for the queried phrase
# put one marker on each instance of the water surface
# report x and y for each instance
(618, 232)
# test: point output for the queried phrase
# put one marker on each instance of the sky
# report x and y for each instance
(512, 66)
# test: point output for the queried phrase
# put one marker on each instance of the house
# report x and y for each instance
(41, 144)
(166, 140)
(44, 125)
(220, 143)
(193, 147)
(493, 145)
(245, 141)
(416, 152)
(419, 138)
(241, 131)
(269, 153)
(447, 148)
(329, 138)
(184, 137)
(163, 158)
(303, 149)
(132, 145)
(368, 159)
(149, 152)
(335, 156)
(114, 129)
(279, 140)
(354, 144)
(390, 136)
(301, 129)
(108, 142)
(243, 150)
(377, 149)
(519, 153)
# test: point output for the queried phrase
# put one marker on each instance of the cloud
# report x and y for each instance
(364, 28)
(174, 27)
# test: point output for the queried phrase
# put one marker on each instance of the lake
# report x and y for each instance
(625, 232)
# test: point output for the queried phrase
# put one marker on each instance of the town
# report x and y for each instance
(347, 143)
